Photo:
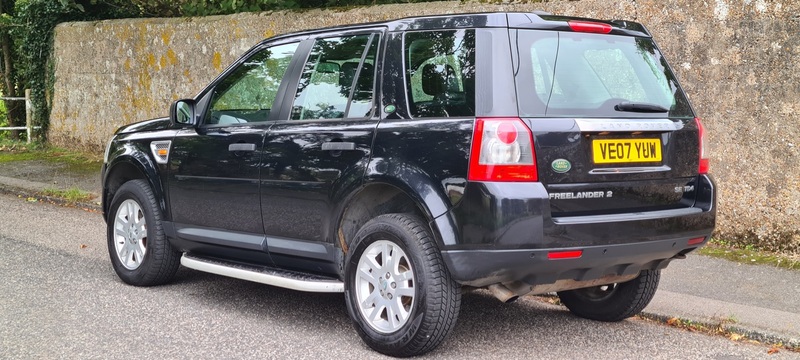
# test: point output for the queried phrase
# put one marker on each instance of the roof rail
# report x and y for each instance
(541, 12)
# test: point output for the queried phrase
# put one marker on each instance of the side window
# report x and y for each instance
(325, 90)
(361, 103)
(248, 93)
(440, 73)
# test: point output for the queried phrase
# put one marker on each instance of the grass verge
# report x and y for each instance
(71, 195)
(749, 255)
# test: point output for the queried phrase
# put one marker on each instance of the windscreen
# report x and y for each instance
(565, 74)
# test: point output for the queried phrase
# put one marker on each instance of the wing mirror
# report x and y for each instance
(182, 112)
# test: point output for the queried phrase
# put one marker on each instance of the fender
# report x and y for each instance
(426, 193)
(137, 155)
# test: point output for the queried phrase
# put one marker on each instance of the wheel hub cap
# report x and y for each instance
(130, 234)
(385, 286)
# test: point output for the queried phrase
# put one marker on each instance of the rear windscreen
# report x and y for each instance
(563, 74)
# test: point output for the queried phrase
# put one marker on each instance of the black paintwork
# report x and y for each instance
(279, 202)
(147, 125)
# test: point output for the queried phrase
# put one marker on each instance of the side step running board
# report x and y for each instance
(275, 277)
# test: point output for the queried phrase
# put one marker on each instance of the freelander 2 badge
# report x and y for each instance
(561, 165)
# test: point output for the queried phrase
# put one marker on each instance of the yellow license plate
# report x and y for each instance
(626, 151)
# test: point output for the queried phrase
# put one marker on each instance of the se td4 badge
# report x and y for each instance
(561, 165)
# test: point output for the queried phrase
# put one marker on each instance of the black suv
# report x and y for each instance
(402, 161)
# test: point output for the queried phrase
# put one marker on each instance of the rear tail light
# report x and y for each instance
(502, 150)
(589, 27)
(701, 134)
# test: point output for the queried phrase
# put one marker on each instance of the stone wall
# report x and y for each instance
(737, 60)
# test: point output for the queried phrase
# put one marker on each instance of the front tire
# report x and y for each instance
(613, 302)
(140, 252)
(399, 293)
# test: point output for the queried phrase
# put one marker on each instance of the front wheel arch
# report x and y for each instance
(126, 168)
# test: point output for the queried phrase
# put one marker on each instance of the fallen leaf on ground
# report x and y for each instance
(736, 337)
(773, 351)
(84, 246)
(673, 321)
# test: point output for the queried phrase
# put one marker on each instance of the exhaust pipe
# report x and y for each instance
(510, 291)
(502, 293)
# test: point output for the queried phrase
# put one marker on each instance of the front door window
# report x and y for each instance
(248, 94)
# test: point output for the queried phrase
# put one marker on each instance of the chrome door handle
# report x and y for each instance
(338, 146)
(241, 147)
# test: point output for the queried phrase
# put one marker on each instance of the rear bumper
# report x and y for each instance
(485, 267)
(505, 233)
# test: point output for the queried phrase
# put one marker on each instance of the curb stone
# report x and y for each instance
(747, 333)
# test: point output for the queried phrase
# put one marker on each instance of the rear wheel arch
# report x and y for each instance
(385, 197)
(370, 201)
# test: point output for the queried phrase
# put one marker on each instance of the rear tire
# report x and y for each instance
(614, 302)
(140, 252)
(399, 293)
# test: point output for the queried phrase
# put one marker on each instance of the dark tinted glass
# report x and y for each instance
(361, 102)
(247, 94)
(587, 75)
(327, 80)
(440, 73)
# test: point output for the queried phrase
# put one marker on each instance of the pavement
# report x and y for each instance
(757, 302)
(31, 177)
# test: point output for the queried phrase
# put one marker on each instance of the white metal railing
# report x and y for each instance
(28, 115)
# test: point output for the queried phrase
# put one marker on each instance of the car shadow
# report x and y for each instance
(483, 322)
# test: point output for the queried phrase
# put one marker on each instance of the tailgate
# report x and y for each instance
(596, 166)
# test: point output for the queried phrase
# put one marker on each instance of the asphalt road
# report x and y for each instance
(60, 298)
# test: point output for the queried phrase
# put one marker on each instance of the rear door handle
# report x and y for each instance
(241, 147)
(338, 146)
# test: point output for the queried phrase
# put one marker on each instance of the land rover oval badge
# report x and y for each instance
(561, 165)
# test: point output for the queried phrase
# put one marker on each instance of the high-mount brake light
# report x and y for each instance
(702, 168)
(589, 27)
(502, 150)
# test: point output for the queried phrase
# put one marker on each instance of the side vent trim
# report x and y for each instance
(160, 150)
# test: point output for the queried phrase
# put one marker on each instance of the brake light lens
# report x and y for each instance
(701, 134)
(502, 150)
(507, 133)
(589, 27)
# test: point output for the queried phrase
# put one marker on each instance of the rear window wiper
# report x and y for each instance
(640, 107)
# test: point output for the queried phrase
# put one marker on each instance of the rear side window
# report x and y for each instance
(333, 85)
(440, 73)
(564, 74)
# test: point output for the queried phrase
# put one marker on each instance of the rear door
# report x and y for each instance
(319, 151)
(613, 131)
